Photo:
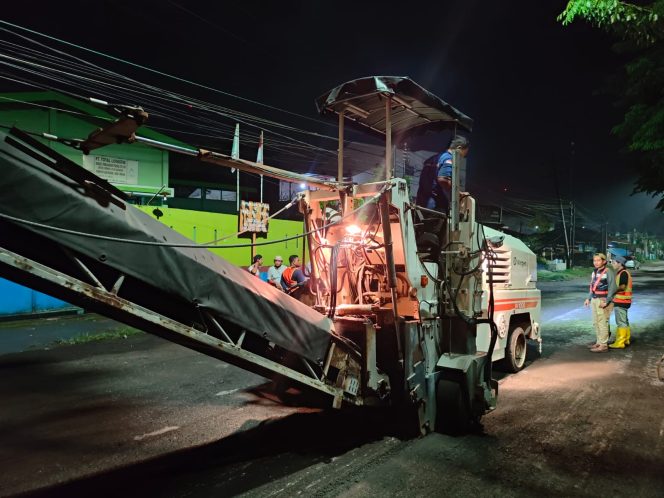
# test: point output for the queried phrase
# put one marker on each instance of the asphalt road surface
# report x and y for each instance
(141, 416)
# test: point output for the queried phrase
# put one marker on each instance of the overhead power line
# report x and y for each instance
(155, 71)
(88, 84)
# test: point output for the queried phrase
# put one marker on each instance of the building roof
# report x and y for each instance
(86, 111)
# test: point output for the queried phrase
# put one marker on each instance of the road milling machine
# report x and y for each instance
(407, 307)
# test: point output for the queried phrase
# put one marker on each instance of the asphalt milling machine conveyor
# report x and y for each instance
(410, 307)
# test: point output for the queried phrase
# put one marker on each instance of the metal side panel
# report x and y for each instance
(34, 190)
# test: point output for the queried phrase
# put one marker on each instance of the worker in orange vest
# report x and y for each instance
(622, 301)
(293, 278)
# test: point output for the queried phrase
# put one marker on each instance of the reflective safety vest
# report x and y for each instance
(599, 283)
(287, 277)
(624, 296)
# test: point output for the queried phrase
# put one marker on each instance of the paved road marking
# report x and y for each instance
(156, 433)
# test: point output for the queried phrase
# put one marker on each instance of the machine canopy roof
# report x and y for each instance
(363, 100)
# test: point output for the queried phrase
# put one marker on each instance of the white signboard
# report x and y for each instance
(113, 169)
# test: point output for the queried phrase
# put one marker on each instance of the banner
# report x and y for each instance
(113, 169)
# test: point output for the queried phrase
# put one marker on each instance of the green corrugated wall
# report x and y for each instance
(200, 227)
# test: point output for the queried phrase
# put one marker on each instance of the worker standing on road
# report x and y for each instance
(441, 193)
(622, 301)
(602, 290)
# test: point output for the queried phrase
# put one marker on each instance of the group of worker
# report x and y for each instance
(610, 290)
(289, 278)
(610, 285)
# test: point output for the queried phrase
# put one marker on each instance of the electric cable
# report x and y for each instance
(215, 109)
(160, 73)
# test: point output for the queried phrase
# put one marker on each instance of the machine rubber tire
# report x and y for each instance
(452, 411)
(515, 352)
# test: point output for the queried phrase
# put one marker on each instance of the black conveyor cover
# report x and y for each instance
(32, 190)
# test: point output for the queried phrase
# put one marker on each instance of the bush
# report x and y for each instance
(558, 276)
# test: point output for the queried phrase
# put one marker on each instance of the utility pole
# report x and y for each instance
(572, 213)
(562, 216)
(259, 160)
(235, 154)
(602, 244)
(572, 229)
(571, 169)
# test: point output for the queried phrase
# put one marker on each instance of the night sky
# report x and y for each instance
(531, 85)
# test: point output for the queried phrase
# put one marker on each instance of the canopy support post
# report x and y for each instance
(340, 166)
(388, 138)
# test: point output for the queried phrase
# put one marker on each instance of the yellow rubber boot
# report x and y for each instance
(621, 337)
(629, 335)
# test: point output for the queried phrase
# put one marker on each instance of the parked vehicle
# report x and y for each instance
(632, 264)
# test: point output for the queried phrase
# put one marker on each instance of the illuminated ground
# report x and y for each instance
(141, 416)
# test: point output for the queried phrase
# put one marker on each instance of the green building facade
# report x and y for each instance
(136, 169)
(199, 210)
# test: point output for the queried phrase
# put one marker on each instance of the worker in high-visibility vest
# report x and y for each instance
(622, 300)
(602, 289)
(293, 279)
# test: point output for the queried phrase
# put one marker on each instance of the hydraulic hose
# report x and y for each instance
(472, 321)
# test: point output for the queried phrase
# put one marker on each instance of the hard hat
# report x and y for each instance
(620, 260)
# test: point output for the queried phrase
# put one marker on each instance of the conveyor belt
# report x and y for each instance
(42, 186)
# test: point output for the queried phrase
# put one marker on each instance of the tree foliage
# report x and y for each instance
(640, 23)
(541, 222)
(641, 91)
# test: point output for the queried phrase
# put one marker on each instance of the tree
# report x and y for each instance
(541, 222)
(640, 29)
(639, 23)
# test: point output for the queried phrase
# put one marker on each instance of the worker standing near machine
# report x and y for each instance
(602, 290)
(622, 301)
